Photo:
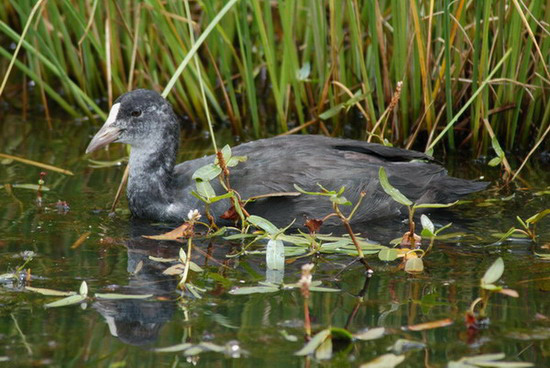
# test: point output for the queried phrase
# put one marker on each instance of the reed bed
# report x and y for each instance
(424, 74)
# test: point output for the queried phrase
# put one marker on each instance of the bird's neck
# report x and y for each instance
(151, 172)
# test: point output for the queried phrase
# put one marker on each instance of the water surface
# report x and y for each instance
(253, 328)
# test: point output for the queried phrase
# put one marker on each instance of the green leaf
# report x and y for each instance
(115, 296)
(30, 187)
(414, 265)
(49, 292)
(207, 172)
(494, 272)
(263, 224)
(234, 161)
(538, 216)
(226, 153)
(488, 360)
(324, 351)
(311, 193)
(339, 200)
(390, 190)
(220, 197)
(435, 205)
(495, 161)
(443, 228)
(70, 300)
(491, 287)
(303, 73)
(239, 236)
(253, 290)
(173, 348)
(388, 254)
(314, 343)
(427, 225)
(333, 111)
(384, 361)
(204, 189)
(323, 289)
(275, 255)
(83, 289)
(497, 148)
(371, 334)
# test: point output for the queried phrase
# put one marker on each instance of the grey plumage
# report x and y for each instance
(158, 190)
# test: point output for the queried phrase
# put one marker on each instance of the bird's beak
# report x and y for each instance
(108, 132)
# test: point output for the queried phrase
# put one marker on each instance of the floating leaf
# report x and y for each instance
(253, 290)
(31, 187)
(487, 360)
(173, 348)
(70, 300)
(324, 351)
(371, 334)
(314, 343)
(388, 254)
(509, 292)
(263, 224)
(390, 190)
(207, 172)
(414, 265)
(403, 345)
(431, 325)
(384, 361)
(83, 289)
(494, 272)
(162, 260)
(49, 292)
(115, 296)
(182, 231)
(287, 336)
(323, 289)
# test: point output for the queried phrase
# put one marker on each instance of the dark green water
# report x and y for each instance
(114, 258)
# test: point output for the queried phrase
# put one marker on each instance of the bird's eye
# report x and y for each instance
(136, 113)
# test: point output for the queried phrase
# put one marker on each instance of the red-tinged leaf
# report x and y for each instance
(183, 231)
(231, 214)
(509, 292)
(470, 320)
(431, 325)
(406, 240)
(313, 225)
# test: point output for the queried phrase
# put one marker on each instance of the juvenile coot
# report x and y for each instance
(160, 190)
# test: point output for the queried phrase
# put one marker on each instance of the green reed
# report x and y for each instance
(270, 66)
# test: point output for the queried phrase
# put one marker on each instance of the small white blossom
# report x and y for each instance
(193, 215)
(305, 280)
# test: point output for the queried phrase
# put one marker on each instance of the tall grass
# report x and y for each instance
(270, 66)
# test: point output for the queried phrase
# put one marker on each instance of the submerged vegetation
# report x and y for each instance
(479, 69)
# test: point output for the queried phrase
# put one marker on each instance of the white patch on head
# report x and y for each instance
(112, 115)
